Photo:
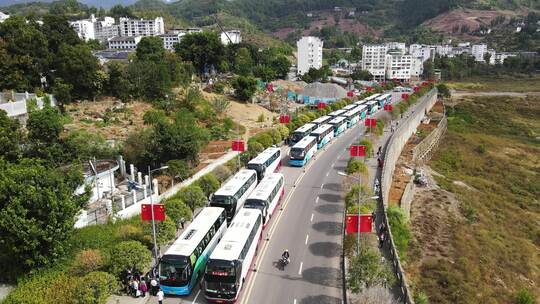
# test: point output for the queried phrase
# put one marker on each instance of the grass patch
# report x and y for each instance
(497, 85)
(491, 147)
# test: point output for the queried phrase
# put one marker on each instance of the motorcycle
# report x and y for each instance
(283, 262)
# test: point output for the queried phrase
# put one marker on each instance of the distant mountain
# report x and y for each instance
(95, 3)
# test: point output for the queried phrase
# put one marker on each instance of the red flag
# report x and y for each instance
(351, 223)
(357, 150)
(284, 119)
(405, 96)
(350, 94)
(369, 89)
(238, 145)
(388, 107)
(370, 122)
(321, 105)
(159, 212)
(416, 89)
(424, 84)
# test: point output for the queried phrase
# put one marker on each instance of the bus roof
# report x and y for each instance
(232, 243)
(321, 119)
(373, 96)
(362, 108)
(321, 129)
(304, 142)
(386, 95)
(360, 102)
(337, 120)
(349, 107)
(372, 102)
(305, 128)
(265, 187)
(264, 156)
(194, 233)
(337, 113)
(354, 111)
(233, 184)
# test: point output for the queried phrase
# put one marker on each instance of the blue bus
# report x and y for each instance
(372, 106)
(337, 113)
(324, 135)
(352, 117)
(340, 125)
(321, 120)
(303, 151)
(301, 132)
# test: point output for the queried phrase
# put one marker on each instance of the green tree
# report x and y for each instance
(118, 84)
(42, 200)
(443, 90)
(10, 137)
(153, 116)
(179, 169)
(84, 145)
(118, 11)
(359, 74)
(150, 49)
(201, 49)
(62, 93)
(44, 126)
(165, 231)
(244, 87)
(356, 166)
(77, 66)
(176, 209)
(58, 31)
(243, 62)
(208, 183)
(281, 65)
(129, 255)
(95, 288)
(193, 196)
(366, 270)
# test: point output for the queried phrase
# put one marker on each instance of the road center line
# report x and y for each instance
(294, 301)
(311, 220)
(307, 238)
(322, 185)
(327, 173)
(300, 270)
(317, 200)
(196, 296)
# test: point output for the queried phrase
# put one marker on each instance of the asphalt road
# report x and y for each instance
(308, 224)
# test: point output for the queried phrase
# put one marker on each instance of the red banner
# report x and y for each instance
(370, 122)
(238, 145)
(416, 89)
(351, 223)
(388, 107)
(369, 89)
(159, 212)
(424, 84)
(404, 96)
(321, 105)
(357, 150)
(284, 119)
(350, 94)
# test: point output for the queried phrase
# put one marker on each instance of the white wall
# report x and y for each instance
(309, 54)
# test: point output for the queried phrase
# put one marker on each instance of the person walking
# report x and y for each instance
(143, 288)
(182, 222)
(160, 296)
(381, 240)
(153, 286)
(135, 288)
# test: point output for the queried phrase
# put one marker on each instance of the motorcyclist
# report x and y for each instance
(285, 256)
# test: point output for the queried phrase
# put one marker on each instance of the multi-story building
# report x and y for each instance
(478, 51)
(3, 17)
(443, 50)
(309, 54)
(170, 39)
(189, 30)
(417, 68)
(425, 52)
(396, 46)
(141, 27)
(105, 29)
(232, 36)
(374, 60)
(85, 28)
(398, 66)
(124, 43)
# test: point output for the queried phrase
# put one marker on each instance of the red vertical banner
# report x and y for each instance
(370, 122)
(369, 89)
(350, 94)
(404, 96)
(416, 89)
(351, 223)
(159, 212)
(424, 84)
(238, 145)
(388, 107)
(357, 150)
(321, 105)
(284, 119)
(366, 222)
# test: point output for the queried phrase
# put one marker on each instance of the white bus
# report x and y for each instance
(349, 107)
(303, 151)
(324, 135)
(361, 102)
(266, 162)
(353, 117)
(337, 113)
(374, 96)
(182, 264)
(322, 120)
(267, 195)
(340, 125)
(302, 132)
(231, 261)
(234, 192)
(373, 106)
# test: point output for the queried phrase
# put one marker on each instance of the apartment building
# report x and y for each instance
(398, 66)
(141, 27)
(84, 28)
(124, 43)
(374, 60)
(309, 54)
(425, 52)
(232, 36)
(478, 51)
(396, 46)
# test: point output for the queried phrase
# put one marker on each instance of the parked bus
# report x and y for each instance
(182, 264)
(372, 106)
(337, 113)
(323, 134)
(349, 107)
(302, 132)
(339, 124)
(383, 100)
(303, 151)
(352, 117)
(267, 161)
(321, 120)
(374, 96)
(267, 195)
(363, 111)
(234, 192)
(361, 102)
(231, 261)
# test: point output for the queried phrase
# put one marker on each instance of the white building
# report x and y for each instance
(141, 27)
(478, 51)
(374, 60)
(189, 30)
(85, 28)
(396, 46)
(425, 52)
(417, 68)
(398, 66)
(232, 36)
(124, 43)
(3, 17)
(309, 54)
(443, 50)
(170, 39)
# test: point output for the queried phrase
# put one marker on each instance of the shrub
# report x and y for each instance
(222, 173)
(254, 149)
(400, 229)
(351, 199)
(366, 270)
(284, 131)
(129, 255)
(179, 168)
(420, 298)
(524, 296)
(208, 183)
(379, 128)
(130, 232)
(95, 288)
(193, 196)
(356, 166)
(261, 118)
(264, 139)
(165, 231)
(176, 209)
(87, 261)
(349, 245)
(45, 287)
(276, 136)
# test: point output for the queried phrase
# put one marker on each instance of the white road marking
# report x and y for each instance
(322, 185)
(311, 220)
(307, 238)
(317, 200)
(294, 301)
(327, 173)
(300, 270)
(196, 296)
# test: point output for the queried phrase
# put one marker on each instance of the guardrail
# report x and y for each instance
(423, 151)
(393, 149)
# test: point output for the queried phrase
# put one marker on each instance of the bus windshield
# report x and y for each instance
(297, 136)
(220, 272)
(221, 200)
(257, 167)
(297, 153)
(255, 204)
(174, 271)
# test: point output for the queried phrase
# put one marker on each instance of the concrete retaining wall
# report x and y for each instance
(423, 151)
(407, 197)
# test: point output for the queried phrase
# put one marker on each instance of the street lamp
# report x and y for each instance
(152, 207)
(360, 200)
